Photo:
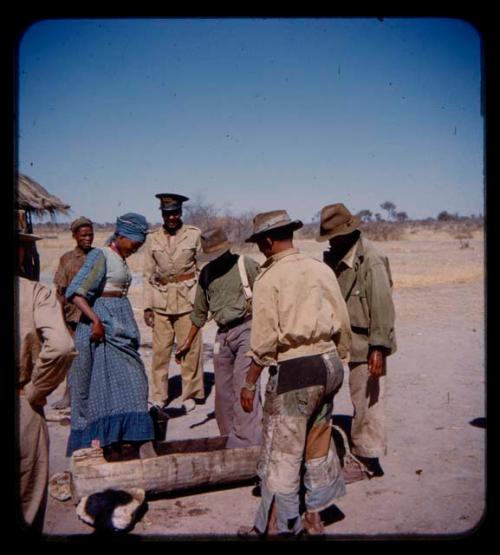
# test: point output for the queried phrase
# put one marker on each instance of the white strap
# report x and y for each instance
(244, 277)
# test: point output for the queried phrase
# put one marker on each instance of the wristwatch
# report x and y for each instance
(250, 386)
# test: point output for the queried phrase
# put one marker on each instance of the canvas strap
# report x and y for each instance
(244, 278)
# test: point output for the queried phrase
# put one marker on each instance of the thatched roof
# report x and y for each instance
(32, 197)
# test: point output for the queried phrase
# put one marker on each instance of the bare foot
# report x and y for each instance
(95, 443)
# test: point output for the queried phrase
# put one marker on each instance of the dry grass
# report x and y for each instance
(422, 258)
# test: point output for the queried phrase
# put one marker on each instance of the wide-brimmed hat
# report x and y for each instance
(335, 219)
(80, 222)
(269, 221)
(171, 201)
(27, 237)
(214, 241)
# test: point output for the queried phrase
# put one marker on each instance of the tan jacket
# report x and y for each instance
(164, 262)
(45, 348)
(298, 310)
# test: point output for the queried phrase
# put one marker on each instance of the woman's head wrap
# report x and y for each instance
(133, 226)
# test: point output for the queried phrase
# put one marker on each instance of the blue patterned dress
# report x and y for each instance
(108, 381)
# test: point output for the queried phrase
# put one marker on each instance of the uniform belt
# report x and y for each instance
(112, 294)
(234, 323)
(174, 279)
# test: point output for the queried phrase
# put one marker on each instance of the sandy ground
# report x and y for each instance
(434, 482)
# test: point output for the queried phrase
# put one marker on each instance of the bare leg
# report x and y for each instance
(272, 528)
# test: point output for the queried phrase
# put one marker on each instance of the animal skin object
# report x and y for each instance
(111, 509)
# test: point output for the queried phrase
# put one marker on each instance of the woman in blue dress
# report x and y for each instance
(108, 381)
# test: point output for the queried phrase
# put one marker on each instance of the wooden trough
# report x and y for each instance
(183, 464)
(166, 467)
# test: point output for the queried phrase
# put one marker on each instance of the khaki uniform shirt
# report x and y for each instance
(298, 310)
(45, 348)
(69, 265)
(166, 261)
(364, 277)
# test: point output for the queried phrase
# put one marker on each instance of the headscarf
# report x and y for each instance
(133, 226)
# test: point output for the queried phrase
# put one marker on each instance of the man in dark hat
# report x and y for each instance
(301, 331)
(225, 290)
(170, 275)
(70, 263)
(365, 279)
(44, 352)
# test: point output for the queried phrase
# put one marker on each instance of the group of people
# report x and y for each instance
(307, 321)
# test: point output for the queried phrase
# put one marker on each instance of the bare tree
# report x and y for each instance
(401, 216)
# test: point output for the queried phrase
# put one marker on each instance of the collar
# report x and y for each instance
(79, 252)
(348, 259)
(279, 256)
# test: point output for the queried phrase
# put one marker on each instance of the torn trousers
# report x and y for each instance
(297, 440)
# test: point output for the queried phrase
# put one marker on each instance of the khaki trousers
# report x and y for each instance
(368, 431)
(167, 328)
(33, 464)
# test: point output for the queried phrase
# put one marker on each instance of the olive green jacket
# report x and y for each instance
(364, 276)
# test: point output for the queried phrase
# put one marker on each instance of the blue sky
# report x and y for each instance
(253, 114)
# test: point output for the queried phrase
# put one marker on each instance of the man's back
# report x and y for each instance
(298, 308)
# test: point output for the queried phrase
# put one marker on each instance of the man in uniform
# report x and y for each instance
(221, 291)
(170, 275)
(69, 264)
(364, 277)
(300, 330)
(44, 352)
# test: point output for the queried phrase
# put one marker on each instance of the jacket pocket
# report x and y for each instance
(359, 313)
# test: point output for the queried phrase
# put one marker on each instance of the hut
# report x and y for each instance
(32, 199)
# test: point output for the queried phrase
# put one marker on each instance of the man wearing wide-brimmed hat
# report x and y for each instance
(301, 331)
(365, 279)
(225, 290)
(44, 352)
(70, 263)
(170, 275)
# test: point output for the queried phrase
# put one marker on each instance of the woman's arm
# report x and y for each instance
(98, 333)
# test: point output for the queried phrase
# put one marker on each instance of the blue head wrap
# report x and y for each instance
(133, 226)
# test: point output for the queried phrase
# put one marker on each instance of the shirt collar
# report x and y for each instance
(279, 256)
(79, 252)
(348, 259)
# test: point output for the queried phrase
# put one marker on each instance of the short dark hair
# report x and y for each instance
(281, 233)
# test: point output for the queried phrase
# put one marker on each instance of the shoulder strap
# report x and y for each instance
(244, 278)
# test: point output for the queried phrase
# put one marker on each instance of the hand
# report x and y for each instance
(246, 399)
(149, 317)
(376, 363)
(181, 352)
(98, 333)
